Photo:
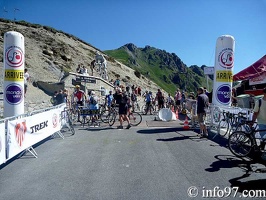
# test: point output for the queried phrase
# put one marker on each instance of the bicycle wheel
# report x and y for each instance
(104, 116)
(143, 109)
(240, 143)
(111, 119)
(74, 115)
(135, 118)
(223, 127)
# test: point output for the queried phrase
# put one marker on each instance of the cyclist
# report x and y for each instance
(99, 59)
(109, 99)
(148, 100)
(79, 97)
(93, 105)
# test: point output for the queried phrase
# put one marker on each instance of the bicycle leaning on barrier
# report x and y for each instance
(65, 118)
(231, 122)
(243, 143)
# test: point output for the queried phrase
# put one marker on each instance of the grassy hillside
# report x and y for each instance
(165, 69)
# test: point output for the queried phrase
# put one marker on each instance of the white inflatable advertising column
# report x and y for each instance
(13, 74)
(223, 70)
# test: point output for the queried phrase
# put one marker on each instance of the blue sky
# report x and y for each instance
(188, 28)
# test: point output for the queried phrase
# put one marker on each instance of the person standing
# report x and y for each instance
(26, 80)
(160, 98)
(122, 100)
(260, 115)
(79, 97)
(202, 106)
(59, 97)
(92, 66)
(178, 97)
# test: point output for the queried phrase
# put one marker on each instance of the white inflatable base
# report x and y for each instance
(165, 114)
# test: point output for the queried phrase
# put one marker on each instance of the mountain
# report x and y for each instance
(165, 69)
(51, 54)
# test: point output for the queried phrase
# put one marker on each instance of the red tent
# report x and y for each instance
(255, 70)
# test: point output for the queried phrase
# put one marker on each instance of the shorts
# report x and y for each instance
(79, 103)
(177, 102)
(201, 117)
(122, 110)
(160, 102)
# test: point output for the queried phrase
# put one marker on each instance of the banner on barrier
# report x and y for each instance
(24, 133)
(2, 144)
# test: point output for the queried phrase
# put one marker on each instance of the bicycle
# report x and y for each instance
(66, 115)
(135, 106)
(135, 118)
(231, 122)
(146, 109)
(243, 143)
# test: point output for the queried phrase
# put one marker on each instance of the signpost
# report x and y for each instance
(85, 79)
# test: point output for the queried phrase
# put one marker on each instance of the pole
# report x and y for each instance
(14, 74)
(223, 70)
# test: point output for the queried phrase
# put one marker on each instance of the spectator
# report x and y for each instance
(117, 82)
(202, 105)
(26, 80)
(59, 97)
(79, 97)
(160, 98)
(84, 70)
(260, 116)
(122, 100)
(109, 99)
(178, 97)
(53, 99)
(79, 69)
(92, 66)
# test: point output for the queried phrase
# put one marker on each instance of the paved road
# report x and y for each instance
(156, 160)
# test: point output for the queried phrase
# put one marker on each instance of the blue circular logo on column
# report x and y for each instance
(14, 94)
(223, 94)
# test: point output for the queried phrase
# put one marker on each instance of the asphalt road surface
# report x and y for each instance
(155, 160)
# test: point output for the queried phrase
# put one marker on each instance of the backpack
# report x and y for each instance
(93, 101)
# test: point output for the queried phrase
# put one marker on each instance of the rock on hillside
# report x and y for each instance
(49, 54)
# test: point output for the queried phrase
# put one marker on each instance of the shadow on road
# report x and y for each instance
(160, 130)
(248, 166)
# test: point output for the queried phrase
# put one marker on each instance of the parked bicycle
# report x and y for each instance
(243, 143)
(230, 122)
(65, 118)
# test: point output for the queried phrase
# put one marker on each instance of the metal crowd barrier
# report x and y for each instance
(214, 113)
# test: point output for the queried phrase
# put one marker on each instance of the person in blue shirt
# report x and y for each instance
(109, 99)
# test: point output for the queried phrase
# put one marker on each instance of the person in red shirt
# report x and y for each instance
(80, 98)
